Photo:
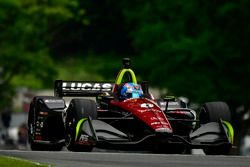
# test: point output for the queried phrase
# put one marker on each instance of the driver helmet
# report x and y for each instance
(131, 90)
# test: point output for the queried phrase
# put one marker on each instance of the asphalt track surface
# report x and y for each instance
(127, 159)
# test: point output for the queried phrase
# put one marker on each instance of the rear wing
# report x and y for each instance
(81, 88)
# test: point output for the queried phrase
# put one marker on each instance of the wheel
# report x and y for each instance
(213, 112)
(78, 109)
(39, 146)
(44, 147)
(218, 150)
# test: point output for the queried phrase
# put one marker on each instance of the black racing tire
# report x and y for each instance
(218, 150)
(45, 147)
(78, 109)
(213, 112)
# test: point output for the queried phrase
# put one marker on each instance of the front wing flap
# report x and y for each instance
(211, 134)
(92, 131)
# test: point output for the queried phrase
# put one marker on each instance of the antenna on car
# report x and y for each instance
(126, 63)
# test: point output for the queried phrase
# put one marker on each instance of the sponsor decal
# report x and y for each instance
(142, 111)
(155, 118)
(39, 124)
(155, 123)
(84, 140)
(77, 86)
(147, 105)
(53, 101)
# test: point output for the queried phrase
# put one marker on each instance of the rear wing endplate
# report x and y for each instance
(81, 88)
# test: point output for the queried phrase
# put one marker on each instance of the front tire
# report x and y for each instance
(78, 109)
(214, 112)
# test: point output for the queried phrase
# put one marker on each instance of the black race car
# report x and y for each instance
(125, 116)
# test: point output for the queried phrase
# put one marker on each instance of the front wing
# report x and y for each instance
(104, 135)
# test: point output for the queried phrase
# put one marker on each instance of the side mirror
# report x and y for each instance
(169, 99)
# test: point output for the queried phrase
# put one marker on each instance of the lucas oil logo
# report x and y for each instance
(88, 86)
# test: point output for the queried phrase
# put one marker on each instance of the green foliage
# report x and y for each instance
(25, 32)
(85, 68)
(196, 49)
(27, 28)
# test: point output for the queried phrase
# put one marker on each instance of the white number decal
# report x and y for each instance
(147, 105)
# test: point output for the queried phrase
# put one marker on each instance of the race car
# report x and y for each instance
(124, 115)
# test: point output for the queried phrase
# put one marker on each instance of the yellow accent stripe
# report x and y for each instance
(121, 74)
(230, 131)
(78, 126)
(170, 97)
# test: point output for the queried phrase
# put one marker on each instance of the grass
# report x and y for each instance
(17, 162)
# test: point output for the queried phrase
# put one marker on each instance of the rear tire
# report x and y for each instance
(78, 109)
(213, 112)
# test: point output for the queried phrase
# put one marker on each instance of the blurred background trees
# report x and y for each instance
(26, 28)
(197, 49)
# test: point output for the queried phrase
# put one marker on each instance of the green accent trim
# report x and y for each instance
(78, 126)
(230, 131)
(170, 98)
(121, 74)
